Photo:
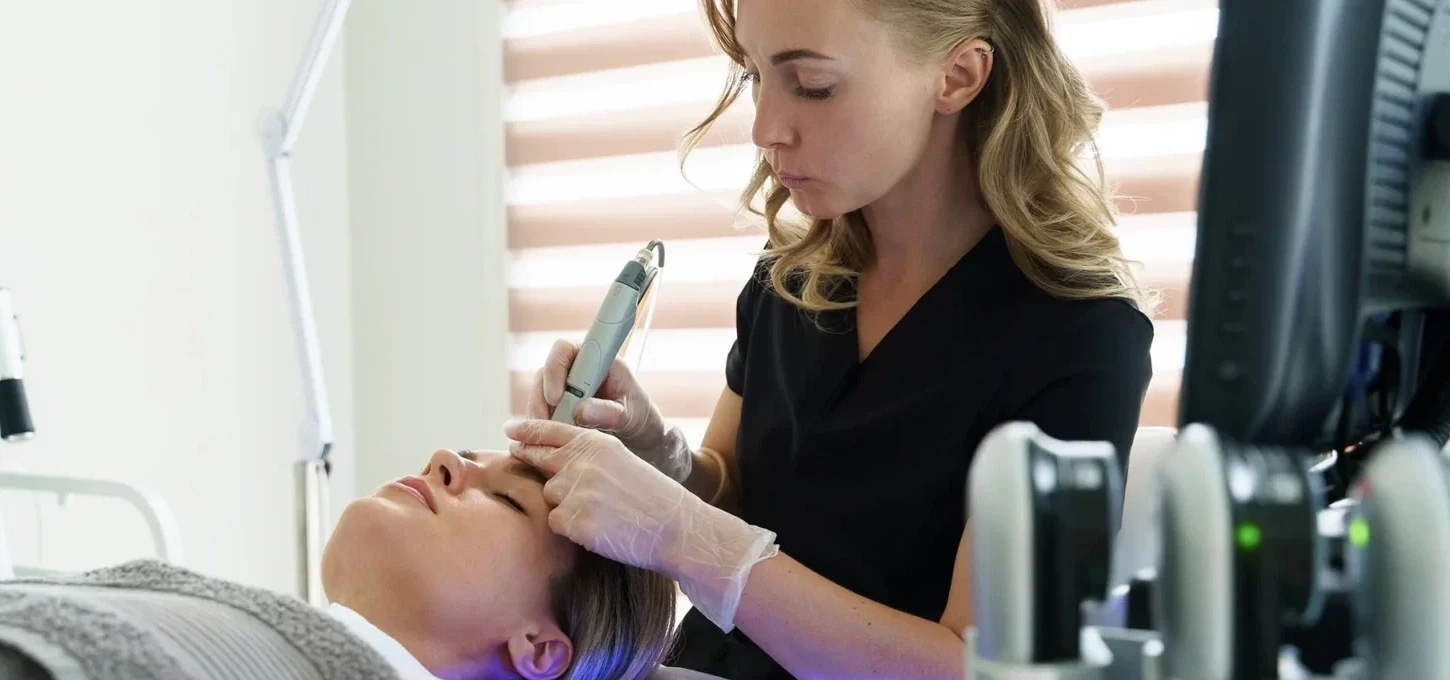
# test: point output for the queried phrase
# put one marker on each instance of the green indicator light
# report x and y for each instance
(1249, 536)
(1359, 532)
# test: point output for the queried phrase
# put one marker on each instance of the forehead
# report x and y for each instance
(764, 27)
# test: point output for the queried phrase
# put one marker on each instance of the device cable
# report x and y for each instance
(654, 295)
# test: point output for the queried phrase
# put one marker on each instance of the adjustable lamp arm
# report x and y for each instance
(309, 74)
(279, 131)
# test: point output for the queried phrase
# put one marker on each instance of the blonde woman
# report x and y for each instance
(955, 268)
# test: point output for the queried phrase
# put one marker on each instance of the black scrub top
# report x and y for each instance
(860, 467)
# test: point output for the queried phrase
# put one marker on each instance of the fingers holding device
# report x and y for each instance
(619, 405)
(589, 386)
(592, 361)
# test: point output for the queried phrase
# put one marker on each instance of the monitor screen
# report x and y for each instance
(1321, 239)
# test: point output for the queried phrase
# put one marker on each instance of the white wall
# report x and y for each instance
(430, 313)
(136, 234)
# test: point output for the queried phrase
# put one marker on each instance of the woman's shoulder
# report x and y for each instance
(1112, 330)
(1106, 315)
(1099, 351)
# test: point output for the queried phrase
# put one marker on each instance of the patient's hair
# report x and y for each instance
(619, 618)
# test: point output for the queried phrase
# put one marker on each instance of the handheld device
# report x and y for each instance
(611, 328)
(15, 423)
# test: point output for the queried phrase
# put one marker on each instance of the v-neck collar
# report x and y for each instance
(976, 276)
(978, 263)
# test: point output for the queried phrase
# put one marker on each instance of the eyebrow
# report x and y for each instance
(515, 467)
(529, 472)
(793, 55)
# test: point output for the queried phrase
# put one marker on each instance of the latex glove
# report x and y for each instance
(612, 503)
(620, 407)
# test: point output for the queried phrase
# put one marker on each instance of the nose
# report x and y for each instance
(446, 469)
(771, 130)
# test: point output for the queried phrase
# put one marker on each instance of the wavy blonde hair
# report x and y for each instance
(1027, 131)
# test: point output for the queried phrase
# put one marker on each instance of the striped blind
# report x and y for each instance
(599, 93)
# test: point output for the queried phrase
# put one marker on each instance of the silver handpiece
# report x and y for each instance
(15, 424)
(611, 327)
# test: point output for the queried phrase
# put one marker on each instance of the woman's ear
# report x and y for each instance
(964, 74)
(541, 654)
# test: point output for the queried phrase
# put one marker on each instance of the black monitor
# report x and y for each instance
(1322, 273)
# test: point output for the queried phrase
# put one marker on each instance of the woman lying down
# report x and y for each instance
(450, 574)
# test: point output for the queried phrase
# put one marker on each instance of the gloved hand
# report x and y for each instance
(620, 408)
(612, 503)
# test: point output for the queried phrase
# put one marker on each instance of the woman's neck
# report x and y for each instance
(936, 213)
(494, 667)
(409, 631)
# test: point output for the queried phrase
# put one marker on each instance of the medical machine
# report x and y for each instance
(1240, 556)
(1302, 511)
(1044, 512)
(612, 327)
(1318, 319)
(1399, 549)
(15, 423)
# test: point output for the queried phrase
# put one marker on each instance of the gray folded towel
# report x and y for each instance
(147, 619)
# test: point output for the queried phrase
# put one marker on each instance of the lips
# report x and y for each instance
(419, 488)
(792, 181)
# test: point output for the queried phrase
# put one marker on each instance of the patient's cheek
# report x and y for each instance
(537, 556)
(502, 553)
(374, 543)
(365, 516)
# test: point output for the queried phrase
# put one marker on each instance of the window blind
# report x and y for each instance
(599, 94)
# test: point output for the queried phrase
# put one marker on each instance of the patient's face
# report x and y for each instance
(463, 551)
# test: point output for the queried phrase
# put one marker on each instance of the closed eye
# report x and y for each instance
(510, 500)
(815, 94)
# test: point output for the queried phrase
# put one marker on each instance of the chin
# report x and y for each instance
(816, 209)
(817, 205)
